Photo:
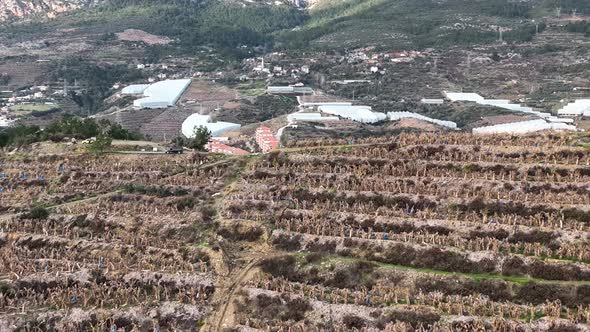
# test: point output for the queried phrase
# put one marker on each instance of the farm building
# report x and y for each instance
(362, 114)
(162, 94)
(197, 120)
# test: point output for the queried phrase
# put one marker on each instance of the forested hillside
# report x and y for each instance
(193, 23)
(329, 24)
(424, 23)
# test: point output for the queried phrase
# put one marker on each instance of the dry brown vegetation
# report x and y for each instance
(446, 232)
(428, 232)
(116, 242)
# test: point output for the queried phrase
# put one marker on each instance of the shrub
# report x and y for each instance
(533, 236)
(353, 322)
(583, 295)
(36, 213)
(537, 293)
(499, 234)
(207, 213)
(287, 242)
(296, 309)
(558, 271)
(514, 266)
(496, 289)
(324, 247)
(415, 317)
(314, 257)
(282, 266)
(237, 233)
(185, 203)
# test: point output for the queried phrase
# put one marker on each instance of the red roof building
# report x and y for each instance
(216, 146)
(266, 140)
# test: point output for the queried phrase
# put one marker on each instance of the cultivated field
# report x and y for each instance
(446, 232)
(425, 232)
(126, 243)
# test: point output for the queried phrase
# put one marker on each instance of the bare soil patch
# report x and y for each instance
(135, 35)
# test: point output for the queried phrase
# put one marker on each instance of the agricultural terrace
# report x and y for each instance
(419, 231)
(108, 242)
(445, 232)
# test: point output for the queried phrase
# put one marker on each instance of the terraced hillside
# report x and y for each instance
(410, 232)
(447, 232)
(116, 242)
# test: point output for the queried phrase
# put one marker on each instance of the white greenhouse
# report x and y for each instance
(162, 94)
(197, 120)
(580, 107)
(362, 114)
(500, 103)
(460, 96)
(135, 89)
(311, 117)
(395, 116)
(523, 127)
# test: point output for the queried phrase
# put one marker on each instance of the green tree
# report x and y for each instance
(201, 137)
(101, 143)
(179, 141)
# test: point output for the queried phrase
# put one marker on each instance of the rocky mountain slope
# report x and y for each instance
(14, 9)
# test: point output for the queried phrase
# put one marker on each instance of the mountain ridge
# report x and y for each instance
(18, 9)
